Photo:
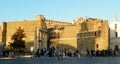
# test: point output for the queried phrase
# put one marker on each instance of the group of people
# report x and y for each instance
(60, 53)
(56, 53)
(7, 53)
(103, 52)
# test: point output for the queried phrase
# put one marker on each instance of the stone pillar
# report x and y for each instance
(44, 39)
(38, 38)
(41, 39)
(35, 39)
(42, 34)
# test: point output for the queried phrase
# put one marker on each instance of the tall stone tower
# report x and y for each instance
(41, 19)
(40, 33)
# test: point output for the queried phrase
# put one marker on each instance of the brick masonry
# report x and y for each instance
(82, 34)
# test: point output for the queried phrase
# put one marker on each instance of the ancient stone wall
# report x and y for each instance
(104, 35)
(27, 26)
(68, 38)
(84, 34)
(93, 35)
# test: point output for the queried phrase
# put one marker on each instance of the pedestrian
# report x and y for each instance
(59, 54)
(77, 54)
(88, 53)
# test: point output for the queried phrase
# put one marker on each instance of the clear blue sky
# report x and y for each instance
(62, 10)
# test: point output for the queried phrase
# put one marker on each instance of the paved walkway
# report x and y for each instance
(67, 60)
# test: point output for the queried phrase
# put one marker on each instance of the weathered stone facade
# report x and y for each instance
(84, 34)
(94, 34)
(41, 33)
(29, 26)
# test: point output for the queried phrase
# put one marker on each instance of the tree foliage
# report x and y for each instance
(17, 38)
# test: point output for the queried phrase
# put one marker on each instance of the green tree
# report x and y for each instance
(17, 37)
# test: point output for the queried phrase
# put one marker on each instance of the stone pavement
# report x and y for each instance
(67, 60)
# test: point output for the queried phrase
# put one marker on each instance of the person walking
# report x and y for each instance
(59, 55)
(88, 52)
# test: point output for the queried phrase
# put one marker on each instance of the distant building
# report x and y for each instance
(82, 34)
(115, 34)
